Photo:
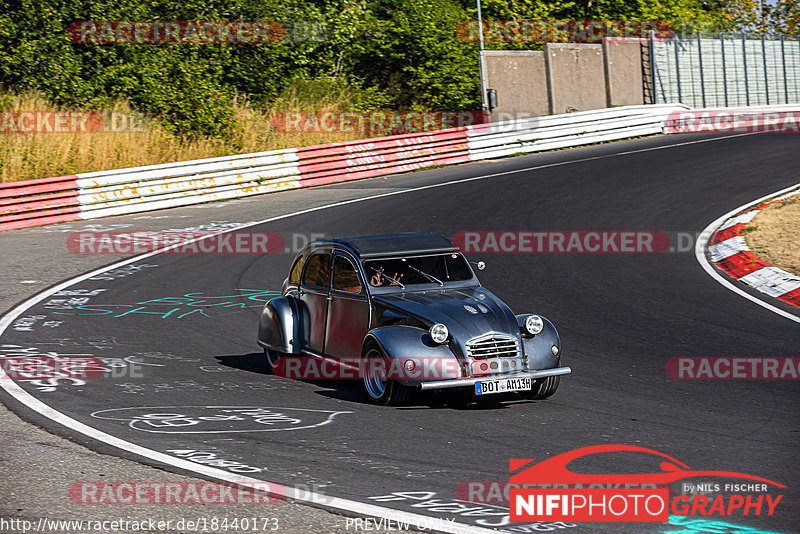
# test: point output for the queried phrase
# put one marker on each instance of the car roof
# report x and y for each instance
(369, 246)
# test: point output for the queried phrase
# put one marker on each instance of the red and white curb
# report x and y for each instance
(728, 250)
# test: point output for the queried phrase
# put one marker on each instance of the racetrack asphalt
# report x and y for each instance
(621, 317)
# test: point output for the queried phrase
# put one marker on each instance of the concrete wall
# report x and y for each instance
(623, 63)
(576, 76)
(565, 77)
(520, 80)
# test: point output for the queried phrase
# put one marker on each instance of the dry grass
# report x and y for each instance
(40, 155)
(776, 237)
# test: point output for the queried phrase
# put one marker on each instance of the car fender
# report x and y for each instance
(279, 327)
(538, 347)
(401, 343)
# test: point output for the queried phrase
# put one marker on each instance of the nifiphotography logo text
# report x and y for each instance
(580, 497)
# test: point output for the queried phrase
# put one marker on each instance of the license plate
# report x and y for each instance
(503, 385)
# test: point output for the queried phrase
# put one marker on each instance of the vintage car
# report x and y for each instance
(407, 312)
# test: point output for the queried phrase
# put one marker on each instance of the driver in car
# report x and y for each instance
(377, 279)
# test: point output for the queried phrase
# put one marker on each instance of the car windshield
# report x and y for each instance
(411, 270)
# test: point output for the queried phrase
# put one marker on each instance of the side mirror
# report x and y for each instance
(480, 265)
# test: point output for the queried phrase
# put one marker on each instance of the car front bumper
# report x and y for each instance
(464, 382)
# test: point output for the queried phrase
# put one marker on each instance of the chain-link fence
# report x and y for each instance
(727, 69)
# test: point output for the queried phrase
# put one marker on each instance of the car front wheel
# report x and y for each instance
(379, 388)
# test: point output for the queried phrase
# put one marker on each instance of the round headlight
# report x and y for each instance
(534, 324)
(439, 333)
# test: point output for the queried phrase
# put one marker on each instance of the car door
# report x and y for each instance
(348, 310)
(313, 294)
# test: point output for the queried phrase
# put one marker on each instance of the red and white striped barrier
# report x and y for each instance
(99, 194)
(367, 158)
(34, 202)
(729, 251)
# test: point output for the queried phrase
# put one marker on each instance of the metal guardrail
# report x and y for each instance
(132, 190)
(561, 131)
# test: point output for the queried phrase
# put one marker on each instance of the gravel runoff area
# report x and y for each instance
(776, 234)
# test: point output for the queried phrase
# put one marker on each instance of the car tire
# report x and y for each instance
(379, 389)
(542, 388)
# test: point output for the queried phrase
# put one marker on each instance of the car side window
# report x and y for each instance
(345, 276)
(317, 271)
(297, 268)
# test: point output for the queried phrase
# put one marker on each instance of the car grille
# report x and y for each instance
(493, 346)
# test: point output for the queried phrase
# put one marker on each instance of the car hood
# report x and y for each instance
(467, 312)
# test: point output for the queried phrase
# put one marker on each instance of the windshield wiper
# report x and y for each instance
(426, 275)
(388, 277)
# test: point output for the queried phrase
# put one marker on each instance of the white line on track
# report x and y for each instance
(324, 501)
